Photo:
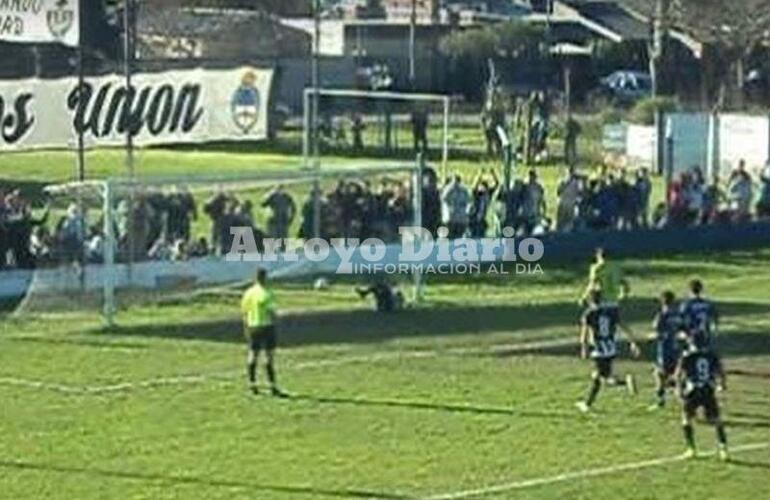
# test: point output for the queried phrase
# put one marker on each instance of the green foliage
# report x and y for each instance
(472, 44)
(644, 110)
(512, 39)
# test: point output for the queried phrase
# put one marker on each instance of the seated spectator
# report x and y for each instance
(94, 246)
(160, 250)
(199, 248)
(40, 245)
(179, 250)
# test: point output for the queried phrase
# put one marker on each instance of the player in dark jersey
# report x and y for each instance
(700, 316)
(700, 376)
(667, 325)
(598, 332)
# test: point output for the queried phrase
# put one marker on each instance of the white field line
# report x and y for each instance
(229, 376)
(584, 474)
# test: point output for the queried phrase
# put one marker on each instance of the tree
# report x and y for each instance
(734, 29)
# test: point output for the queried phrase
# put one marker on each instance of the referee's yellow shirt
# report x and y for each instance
(258, 306)
(606, 276)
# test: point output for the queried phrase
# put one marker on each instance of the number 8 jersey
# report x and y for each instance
(603, 323)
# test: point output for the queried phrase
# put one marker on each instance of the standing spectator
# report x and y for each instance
(431, 202)
(455, 200)
(420, 129)
(642, 191)
(482, 197)
(572, 131)
(534, 207)
(712, 199)
(307, 226)
(357, 128)
(694, 192)
(215, 207)
(72, 234)
(569, 193)
(763, 205)
(181, 212)
(740, 193)
(282, 212)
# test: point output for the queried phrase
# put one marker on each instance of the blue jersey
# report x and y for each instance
(700, 370)
(700, 317)
(668, 323)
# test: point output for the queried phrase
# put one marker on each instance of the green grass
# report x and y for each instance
(370, 418)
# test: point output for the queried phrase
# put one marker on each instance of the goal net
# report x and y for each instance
(114, 244)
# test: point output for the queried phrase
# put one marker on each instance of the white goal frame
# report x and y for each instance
(310, 150)
(107, 191)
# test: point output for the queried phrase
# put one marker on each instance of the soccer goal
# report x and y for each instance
(119, 243)
(377, 123)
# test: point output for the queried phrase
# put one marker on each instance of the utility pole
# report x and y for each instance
(127, 69)
(412, 36)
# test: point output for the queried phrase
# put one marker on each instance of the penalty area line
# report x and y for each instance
(586, 474)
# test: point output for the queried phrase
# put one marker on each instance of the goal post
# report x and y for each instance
(357, 99)
(103, 275)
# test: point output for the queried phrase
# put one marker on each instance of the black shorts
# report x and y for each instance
(604, 367)
(701, 398)
(261, 336)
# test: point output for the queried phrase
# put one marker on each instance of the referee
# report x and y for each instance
(258, 310)
(606, 277)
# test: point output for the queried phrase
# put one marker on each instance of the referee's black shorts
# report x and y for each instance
(261, 337)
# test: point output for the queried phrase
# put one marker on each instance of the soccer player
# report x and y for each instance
(387, 298)
(259, 315)
(700, 375)
(667, 325)
(598, 331)
(700, 316)
(606, 277)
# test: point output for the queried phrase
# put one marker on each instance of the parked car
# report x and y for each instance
(624, 87)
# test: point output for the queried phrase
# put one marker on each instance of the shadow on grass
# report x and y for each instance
(744, 343)
(440, 407)
(200, 481)
(360, 326)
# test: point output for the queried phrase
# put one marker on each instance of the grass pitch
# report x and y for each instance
(469, 395)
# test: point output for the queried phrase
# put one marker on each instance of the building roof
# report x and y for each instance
(613, 17)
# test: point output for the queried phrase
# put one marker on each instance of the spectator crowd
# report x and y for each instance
(158, 225)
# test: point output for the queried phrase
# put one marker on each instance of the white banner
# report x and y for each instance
(186, 106)
(641, 145)
(40, 21)
(743, 137)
